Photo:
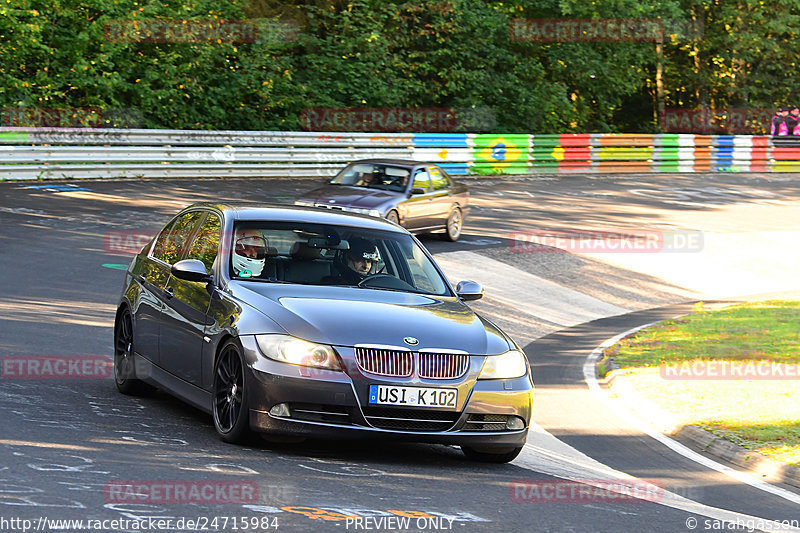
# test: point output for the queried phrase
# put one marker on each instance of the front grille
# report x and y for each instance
(442, 365)
(382, 362)
(486, 423)
(400, 363)
(410, 419)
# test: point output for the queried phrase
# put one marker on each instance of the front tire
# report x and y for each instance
(124, 366)
(491, 455)
(231, 409)
(452, 231)
(392, 217)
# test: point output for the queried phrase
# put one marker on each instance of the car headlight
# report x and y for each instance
(295, 351)
(504, 366)
(305, 203)
(364, 211)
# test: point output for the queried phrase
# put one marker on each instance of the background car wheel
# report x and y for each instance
(453, 229)
(231, 409)
(491, 455)
(391, 216)
(124, 368)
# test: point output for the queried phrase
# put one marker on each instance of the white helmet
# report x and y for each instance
(245, 267)
(249, 253)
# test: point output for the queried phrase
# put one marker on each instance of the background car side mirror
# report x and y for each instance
(469, 290)
(417, 190)
(191, 270)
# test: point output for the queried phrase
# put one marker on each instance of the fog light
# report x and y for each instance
(515, 422)
(281, 409)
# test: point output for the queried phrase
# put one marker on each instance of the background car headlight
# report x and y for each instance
(364, 211)
(306, 203)
(504, 366)
(295, 351)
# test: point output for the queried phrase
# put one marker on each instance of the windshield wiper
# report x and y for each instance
(263, 280)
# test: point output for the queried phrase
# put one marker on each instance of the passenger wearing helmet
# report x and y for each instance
(355, 263)
(249, 253)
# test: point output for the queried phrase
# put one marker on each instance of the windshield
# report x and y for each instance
(373, 176)
(313, 254)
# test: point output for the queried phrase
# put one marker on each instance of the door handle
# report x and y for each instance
(169, 292)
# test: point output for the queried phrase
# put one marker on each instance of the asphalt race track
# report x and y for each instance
(65, 443)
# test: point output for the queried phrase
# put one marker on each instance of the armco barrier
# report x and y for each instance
(38, 153)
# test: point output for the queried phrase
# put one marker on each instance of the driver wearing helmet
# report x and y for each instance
(355, 263)
(249, 253)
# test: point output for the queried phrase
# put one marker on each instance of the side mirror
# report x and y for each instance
(417, 190)
(191, 270)
(469, 290)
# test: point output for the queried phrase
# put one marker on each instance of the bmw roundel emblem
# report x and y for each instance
(411, 341)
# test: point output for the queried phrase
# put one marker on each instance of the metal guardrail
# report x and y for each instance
(52, 153)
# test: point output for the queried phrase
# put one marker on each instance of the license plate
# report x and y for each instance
(413, 396)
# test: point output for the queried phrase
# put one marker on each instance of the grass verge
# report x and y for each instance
(734, 372)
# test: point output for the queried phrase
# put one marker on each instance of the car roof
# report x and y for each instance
(408, 163)
(247, 211)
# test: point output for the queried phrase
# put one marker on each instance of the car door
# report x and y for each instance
(417, 210)
(164, 256)
(185, 315)
(153, 277)
(441, 196)
(151, 274)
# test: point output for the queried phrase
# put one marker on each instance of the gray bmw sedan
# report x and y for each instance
(421, 197)
(309, 322)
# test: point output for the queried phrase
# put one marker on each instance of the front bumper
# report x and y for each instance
(334, 404)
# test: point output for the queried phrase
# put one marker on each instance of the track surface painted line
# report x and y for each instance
(570, 411)
(529, 293)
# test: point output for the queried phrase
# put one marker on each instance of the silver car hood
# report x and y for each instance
(346, 316)
(348, 196)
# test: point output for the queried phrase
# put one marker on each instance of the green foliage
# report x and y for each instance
(457, 54)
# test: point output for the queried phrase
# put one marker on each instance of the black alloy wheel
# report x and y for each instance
(231, 408)
(124, 367)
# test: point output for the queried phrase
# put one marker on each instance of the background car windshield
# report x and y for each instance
(313, 254)
(374, 176)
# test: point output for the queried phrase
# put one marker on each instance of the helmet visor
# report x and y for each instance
(251, 246)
